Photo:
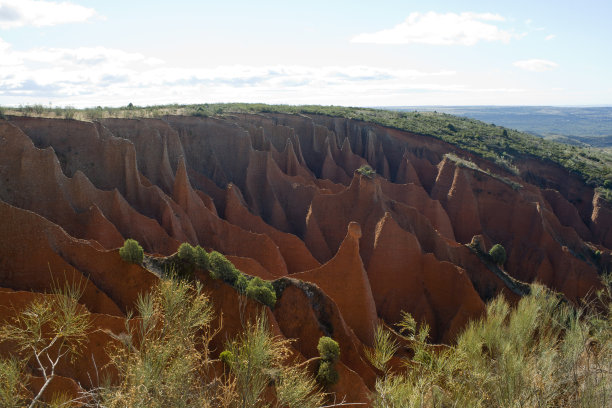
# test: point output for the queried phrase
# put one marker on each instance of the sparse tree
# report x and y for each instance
(51, 329)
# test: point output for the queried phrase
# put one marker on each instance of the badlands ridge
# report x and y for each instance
(280, 196)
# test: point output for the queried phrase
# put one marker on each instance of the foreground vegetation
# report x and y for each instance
(501, 145)
(163, 359)
(542, 352)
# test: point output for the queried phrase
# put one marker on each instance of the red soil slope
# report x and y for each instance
(280, 196)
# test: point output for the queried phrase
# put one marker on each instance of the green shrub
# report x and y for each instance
(329, 350)
(201, 258)
(183, 264)
(367, 171)
(188, 258)
(222, 268)
(186, 253)
(498, 254)
(327, 374)
(262, 291)
(2, 115)
(227, 357)
(241, 283)
(131, 251)
(256, 288)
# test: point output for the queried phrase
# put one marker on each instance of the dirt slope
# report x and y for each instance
(280, 196)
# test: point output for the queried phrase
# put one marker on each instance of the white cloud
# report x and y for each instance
(536, 65)
(442, 29)
(84, 57)
(99, 75)
(94, 76)
(39, 13)
(48, 73)
(549, 37)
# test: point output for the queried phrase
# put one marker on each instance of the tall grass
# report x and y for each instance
(164, 359)
(161, 357)
(258, 359)
(542, 353)
(12, 392)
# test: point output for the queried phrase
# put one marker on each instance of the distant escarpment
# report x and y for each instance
(284, 198)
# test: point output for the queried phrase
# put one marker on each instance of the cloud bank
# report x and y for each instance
(89, 76)
(442, 29)
(40, 13)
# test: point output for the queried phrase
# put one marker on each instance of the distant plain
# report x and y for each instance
(572, 125)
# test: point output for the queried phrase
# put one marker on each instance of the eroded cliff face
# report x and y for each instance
(280, 196)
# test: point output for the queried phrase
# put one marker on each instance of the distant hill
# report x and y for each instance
(572, 125)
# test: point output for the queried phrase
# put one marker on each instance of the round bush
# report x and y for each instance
(131, 251)
(327, 374)
(329, 350)
(498, 254)
(183, 262)
(186, 252)
(262, 291)
(222, 269)
(226, 357)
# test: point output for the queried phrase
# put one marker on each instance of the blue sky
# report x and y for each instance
(384, 53)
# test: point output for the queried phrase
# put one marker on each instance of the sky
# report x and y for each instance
(384, 53)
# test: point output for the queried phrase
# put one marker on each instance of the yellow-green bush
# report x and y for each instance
(131, 251)
(329, 352)
(222, 268)
(253, 287)
(328, 349)
(262, 291)
(186, 253)
(327, 374)
(201, 258)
